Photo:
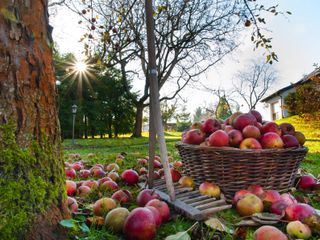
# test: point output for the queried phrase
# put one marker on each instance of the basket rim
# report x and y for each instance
(238, 150)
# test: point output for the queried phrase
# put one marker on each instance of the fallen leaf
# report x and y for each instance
(179, 236)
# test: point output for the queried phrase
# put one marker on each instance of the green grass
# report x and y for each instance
(106, 151)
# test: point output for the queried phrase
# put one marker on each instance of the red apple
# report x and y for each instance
(287, 128)
(84, 173)
(233, 117)
(251, 131)
(186, 181)
(72, 205)
(77, 166)
(299, 211)
(269, 197)
(250, 143)
(307, 182)
(209, 189)
(257, 115)
(259, 126)
(143, 171)
(175, 174)
(156, 164)
(288, 198)
(112, 167)
(235, 138)
(114, 176)
(301, 138)
(228, 128)
(109, 185)
(83, 191)
(177, 164)
(71, 187)
(271, 140)
(116, 218)
(70, 173)
(130, 177)
(278, 207)
(210, 125)
(104, 179)
(140, 225)
(91, 184)
(103, 206)
(269, 233)
(156, 215)
(145, 196)
(244, 120)
(97, 172)
(219, 139)
(162, 208)
(271, 127)
(256, 190)
(239, 195)
(122, 196)
(289, 141)
(142, 161)
(194, 136)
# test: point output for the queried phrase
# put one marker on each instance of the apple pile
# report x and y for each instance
(257, 200)
(244, 131)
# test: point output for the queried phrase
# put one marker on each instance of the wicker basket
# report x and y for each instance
(234, 169)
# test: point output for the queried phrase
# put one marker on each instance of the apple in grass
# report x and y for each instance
(271, 127)
(244, 120)
(104, 179)
(83, 191)
(112, 167)
(142, 161)
(271, 140)
(102, 206)
(209, 189)
(130, 177)
(239, 194)
(114, 176)
(122, 196)
(193, 136)
(72, 204)
(70, 173)
(77, 166)
(251, 131)
(145, 196)
(91, 184)
(269, 197)
(219, 139)
(298, 230)
(140, 224)
(210, 125)
(300, 137)
(71, 187)
(162, 207)
(289, 141)
(156, 215)
(235, 137)
(299, 211)
(156, 164)
(249, 204)
(306, 182)
(177, 164)
(109, 185)
(84, 173)
(116, 218)
(257, 115)
(143, 171)
(269, 233)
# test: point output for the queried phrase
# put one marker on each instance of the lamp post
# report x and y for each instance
(74, 111)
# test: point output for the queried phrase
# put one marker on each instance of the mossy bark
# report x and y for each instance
(31, 167)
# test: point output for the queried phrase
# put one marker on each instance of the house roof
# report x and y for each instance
(307, 78)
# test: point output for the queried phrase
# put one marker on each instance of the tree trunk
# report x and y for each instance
(29, 129)
(137, 131)
(85, 127)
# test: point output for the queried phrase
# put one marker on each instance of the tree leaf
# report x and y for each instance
(84, 228)
(68, 223)
(288, 12)
(179, 236)
(216, 224)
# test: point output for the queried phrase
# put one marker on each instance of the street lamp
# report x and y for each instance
(74, 111)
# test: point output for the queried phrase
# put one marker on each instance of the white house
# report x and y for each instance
(275, 101)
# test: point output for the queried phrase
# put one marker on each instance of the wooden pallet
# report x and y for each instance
(190, 202)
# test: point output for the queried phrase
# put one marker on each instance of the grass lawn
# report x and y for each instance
(107, 150)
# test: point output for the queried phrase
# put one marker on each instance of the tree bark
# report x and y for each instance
(137, 131)
(27, 101)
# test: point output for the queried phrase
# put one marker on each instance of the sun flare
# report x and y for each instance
(80, 66)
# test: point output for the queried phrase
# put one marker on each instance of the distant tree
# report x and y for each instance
(197, 115)
(223, 110)
(305, 101)
(183, 119)
(253, 82)
(168, 112)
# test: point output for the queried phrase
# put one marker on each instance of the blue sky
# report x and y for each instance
(296, 40)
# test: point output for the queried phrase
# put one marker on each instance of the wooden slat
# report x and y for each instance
(210, 204)
(210, 211)
(191, 193)
(196, 199)
(208, 200)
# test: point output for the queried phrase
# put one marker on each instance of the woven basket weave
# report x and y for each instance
(234, 169)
